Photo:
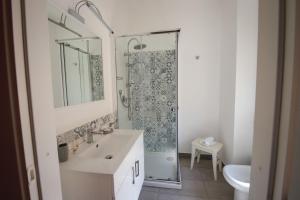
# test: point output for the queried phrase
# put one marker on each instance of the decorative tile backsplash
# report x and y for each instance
(81, 131)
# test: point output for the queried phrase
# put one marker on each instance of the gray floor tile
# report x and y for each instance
(207, 164)
(197, 184)
(189, 188)
(208, 175)
(188, 174)
(185, 162)
(177, 197)
(148, 195)
(168, 191)
(151, 189)
(222, 198)
(217, 189)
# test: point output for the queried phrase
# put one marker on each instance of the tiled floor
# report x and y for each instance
(197, 184)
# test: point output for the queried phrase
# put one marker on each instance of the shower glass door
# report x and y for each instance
(147, 98)
(77, 74)
(72, 70)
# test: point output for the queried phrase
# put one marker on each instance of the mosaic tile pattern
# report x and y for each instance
(153, 78)
(81, 131)
(97, 77)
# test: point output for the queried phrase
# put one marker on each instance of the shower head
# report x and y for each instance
(140, 46)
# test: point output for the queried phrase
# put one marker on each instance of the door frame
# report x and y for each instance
(15, 180)
(277, 84)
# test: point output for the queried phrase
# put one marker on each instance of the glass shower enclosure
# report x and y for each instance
(147, 100)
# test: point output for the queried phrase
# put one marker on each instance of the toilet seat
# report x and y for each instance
(238, 176)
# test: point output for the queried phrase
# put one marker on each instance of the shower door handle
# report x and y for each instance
(137, 168)
(133, 176)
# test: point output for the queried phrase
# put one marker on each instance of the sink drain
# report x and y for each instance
(108, 157)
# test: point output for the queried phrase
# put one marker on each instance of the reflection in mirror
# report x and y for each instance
(76, 60)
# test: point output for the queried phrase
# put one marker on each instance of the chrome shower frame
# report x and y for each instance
(147, 182)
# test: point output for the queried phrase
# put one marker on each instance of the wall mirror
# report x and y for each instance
(76, 60)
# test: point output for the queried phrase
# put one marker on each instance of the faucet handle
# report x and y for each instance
(92, 126)
(111, 124)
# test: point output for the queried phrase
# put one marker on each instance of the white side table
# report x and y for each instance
(197, 146)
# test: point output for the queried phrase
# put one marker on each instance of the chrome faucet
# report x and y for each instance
(89, 136)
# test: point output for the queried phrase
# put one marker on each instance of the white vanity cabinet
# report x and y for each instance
(130, 186)
(91, 178)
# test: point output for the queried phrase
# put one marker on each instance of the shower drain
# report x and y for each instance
(108, 157)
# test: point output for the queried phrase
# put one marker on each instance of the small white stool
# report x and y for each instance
(197, 146)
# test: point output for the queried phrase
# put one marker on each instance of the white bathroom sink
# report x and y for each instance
(105, 155)
(108, 147)
(88, 174)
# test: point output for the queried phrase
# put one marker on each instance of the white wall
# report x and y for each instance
(199, 80)
(72, 116)
(42, 98)
(47, 120)
(238, 79)
(228, 71)
(246, 64)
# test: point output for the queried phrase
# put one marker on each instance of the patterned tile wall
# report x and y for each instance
(153, 78)
(81, 131)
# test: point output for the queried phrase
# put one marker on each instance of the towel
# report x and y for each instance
(209, 141)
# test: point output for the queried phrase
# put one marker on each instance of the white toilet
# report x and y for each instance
(238, 176)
